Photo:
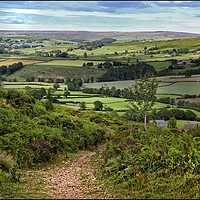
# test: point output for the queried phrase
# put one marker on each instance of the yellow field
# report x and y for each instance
(25, 62)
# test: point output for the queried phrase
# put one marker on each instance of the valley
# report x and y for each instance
(67, 129)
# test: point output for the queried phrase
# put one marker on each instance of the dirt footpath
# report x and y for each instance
(73, 180)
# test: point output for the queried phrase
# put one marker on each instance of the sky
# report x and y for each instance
(125, 16)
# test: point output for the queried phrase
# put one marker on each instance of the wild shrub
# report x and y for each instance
(157, 151)
(6, 161)
(38, 137)
(7, 168)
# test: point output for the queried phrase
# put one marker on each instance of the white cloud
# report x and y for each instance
(151, 18)
(63, 13)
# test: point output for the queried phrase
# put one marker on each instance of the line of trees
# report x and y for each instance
(181, 103)
(74, 84)
(7, 70)
(128, 72)
(106, 91)
(189, 105)
(177, 113)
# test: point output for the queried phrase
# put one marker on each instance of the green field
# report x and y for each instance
(181, 123)
(73, 63)
(23, 86)
(117, 84)
(59, 70)
(181, 88)
(59, 67)
(160, 65)
(115, 103)
(47, 49)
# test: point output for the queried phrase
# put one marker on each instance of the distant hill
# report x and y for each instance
(92, 36)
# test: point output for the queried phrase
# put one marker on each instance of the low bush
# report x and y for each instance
(37, 136)
(136, 160)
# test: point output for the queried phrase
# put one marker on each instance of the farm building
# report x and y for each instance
(159, 123)
(167, 56)
(185, 62)
(187, 127)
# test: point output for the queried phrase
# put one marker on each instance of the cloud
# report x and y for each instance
(52, 5)
(114, 6)
(172, 4)
(100, 15)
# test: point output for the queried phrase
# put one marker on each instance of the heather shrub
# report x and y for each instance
(35, 137)
(158, 150)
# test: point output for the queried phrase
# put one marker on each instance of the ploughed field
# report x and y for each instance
(191, 100)
(175, 80)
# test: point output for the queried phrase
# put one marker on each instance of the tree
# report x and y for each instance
(189, 115)
(1, 82)
(49, 99)
(142, 97)
(36, 93)
(85, 55)
(56, 86)
(98, 105)
(84, 65)
(188, 74)
(82, 105)
(66, 93)
(92, 79)
(172, 123)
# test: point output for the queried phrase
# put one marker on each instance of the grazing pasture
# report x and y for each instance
(160, 65)
(59, 70)
(117, 84)
(115, 103)
(48, 48)
(181, 123)
(181, 88)
(23, 86)
(73, 63)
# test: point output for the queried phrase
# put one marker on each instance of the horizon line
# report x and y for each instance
(96, 31)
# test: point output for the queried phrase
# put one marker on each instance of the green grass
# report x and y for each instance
(181, 123)
(181, 88)
(103, 99)
(117, 84)
(58, 66)
(23, 86)
(115, 103)
(27, 83)
(168, 95)
(160, 78)
(73, 63)
(162, 87)
(47, 48)
(160, 65)
(58, 70)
